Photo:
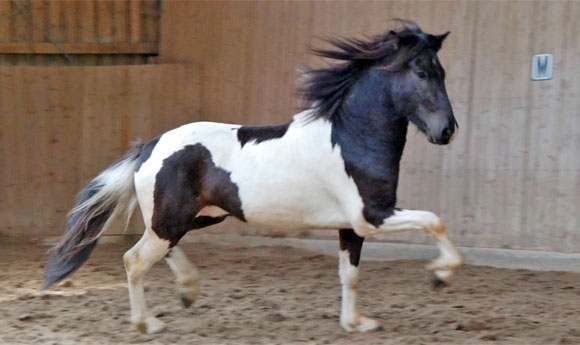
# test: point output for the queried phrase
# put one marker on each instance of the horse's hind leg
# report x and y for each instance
(186, 275)
(138, 261)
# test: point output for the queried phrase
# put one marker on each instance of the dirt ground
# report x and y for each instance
(281, 295)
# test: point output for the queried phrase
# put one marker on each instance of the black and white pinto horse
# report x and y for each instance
(335, 166)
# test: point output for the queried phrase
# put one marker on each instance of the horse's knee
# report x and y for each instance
(139, 259)
(431, 223)
(134, 266)
(128, 259)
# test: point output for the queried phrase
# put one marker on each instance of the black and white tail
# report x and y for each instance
(112, 192)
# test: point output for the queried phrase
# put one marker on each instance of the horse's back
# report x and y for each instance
(173, 141)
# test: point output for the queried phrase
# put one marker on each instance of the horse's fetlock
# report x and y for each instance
(141, 327)
(150, 325)
(349, 324)
(188, 282)
(457, 263)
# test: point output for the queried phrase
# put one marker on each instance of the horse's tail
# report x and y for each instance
(112, 192)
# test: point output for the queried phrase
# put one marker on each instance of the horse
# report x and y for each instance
(334, 166)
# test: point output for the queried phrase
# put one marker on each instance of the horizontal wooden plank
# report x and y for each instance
(79, 48)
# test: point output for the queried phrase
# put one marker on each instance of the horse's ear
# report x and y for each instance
(440, 38)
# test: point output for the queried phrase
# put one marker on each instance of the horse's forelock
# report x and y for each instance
(411, 42)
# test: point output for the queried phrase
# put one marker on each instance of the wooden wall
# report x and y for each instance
(74, 32)
(512, 177)
(60, 126)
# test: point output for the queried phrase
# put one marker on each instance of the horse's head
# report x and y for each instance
(418, 84)
(388, 77)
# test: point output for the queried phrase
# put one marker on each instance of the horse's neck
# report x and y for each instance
(379, 140)
(372, 153)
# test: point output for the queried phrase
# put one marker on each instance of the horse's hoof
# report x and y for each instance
(151, 325)
(188, 293)
(362, 324)
(185, 301)
(378, 329)
(436, 282)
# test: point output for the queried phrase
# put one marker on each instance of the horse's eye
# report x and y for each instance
(421, 75)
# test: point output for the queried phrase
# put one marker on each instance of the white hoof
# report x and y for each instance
(445, 275)
(361, 324)
(151, 325)
(443, 272)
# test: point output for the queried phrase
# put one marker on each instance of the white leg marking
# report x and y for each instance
(138, 260)
(186, 275)
(411, 220)
(350, 318)
(449, 260)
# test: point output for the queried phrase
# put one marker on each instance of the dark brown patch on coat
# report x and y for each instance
(258, 134)
(187, 182)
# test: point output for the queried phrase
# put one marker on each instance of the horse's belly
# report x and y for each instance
(292, 205)
(293, 217)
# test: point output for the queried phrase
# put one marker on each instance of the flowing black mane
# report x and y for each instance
(326, 88)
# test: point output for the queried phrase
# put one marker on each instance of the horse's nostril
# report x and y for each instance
(447, 133)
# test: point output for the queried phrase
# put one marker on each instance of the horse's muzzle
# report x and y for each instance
(444, 137)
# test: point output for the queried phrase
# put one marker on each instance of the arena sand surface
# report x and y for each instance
(283, 295)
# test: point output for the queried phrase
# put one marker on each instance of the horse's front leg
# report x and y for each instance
(449, 261)
(349, 256)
